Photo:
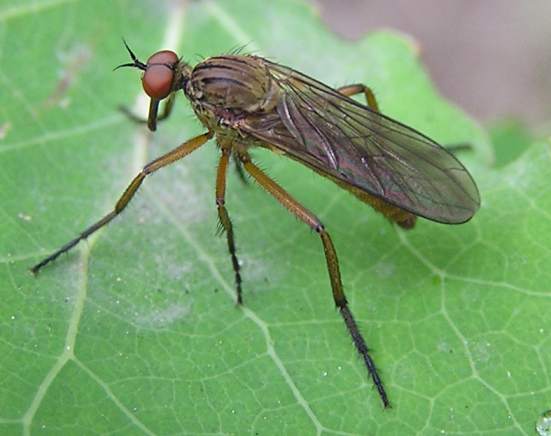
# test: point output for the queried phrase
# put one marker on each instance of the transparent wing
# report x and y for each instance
(346, 140)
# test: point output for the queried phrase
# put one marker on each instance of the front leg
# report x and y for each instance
(166, 159)
(152, 118)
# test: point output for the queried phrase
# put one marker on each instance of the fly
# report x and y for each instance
(247, 101)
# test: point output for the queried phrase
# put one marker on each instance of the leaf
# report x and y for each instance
(136, 331)
(510, 139)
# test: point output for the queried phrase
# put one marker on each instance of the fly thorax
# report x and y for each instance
(238, 84)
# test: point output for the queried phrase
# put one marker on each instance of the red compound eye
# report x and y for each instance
(158, 76)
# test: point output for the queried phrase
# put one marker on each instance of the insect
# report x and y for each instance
(246, 101)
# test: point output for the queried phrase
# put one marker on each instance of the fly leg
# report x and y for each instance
(239, 170)
(314, 223)
(350, 90)
(225, 218)
(166, 159)
(152, 119)
(458, 147)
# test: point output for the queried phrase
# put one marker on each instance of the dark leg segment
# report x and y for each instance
(350, 90)
(332, 266)
(458, 147)
(166, 159)
(239, 170)
(225, 218)
(152, 117)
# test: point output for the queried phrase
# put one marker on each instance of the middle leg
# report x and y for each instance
(225, 218)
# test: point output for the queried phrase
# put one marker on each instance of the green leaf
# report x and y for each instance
(136, 331)
(510, 139)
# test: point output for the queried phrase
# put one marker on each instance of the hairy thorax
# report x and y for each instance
(223, 90)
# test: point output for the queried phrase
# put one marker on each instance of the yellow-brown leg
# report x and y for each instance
(225, 218)
(350, 90)
(166, 159)
(311, 220)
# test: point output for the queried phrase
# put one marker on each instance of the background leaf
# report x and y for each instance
(136, 331)
(510, 139)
